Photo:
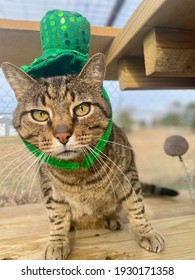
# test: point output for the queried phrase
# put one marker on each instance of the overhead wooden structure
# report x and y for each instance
(20, 42)
(154, 50)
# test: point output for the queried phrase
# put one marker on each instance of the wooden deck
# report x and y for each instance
(24, 230)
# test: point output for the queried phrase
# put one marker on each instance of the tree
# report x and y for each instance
(172, 119)
(189, 115)
(124, 120)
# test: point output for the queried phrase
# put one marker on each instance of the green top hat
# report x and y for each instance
(65, 39)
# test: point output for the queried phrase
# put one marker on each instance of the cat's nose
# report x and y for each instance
(63, 137)
(62, 133)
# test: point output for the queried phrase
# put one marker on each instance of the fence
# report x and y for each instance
(8, 104)
(143, 107)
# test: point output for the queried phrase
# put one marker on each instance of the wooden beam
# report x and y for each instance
(20, 42)
(134, 25)
(170, 53)
(150, 13)
(131, 75)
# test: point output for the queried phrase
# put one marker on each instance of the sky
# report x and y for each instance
(143, 104)
(96, 11)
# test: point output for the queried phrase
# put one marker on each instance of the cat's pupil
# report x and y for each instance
(39, 115)
(82, 109)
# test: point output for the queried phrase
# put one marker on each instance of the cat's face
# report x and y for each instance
(62, 115)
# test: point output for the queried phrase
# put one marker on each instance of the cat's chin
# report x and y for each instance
(68, 155)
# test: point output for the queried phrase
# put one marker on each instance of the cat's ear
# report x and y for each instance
(18, 79)
(95, 68)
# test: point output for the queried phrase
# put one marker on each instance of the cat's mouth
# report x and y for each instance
(68, 154)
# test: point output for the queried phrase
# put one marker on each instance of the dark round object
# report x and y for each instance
(176, 145)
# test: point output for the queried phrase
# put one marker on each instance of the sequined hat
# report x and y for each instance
(65, 39)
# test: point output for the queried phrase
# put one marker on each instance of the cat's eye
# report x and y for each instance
(82, 109)
(40, 116)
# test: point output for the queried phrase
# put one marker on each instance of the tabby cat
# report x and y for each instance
(65, 117)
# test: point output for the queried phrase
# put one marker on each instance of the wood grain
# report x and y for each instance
(150, 13)
(131, 74)
(170, 53)
(24, 231)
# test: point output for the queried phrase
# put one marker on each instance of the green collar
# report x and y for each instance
(88, 159)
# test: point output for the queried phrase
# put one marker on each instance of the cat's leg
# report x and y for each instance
(58, 245)
(59, 214)
(148, 238)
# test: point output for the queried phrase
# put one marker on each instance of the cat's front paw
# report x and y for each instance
(57, 250)
(153, 242)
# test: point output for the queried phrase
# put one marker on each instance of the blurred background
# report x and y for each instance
(148, 117)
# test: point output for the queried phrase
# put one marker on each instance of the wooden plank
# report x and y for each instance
(170, 53)
(164, 13)
(24, 231)
(134, 25)
(20, 42)
(131, 73)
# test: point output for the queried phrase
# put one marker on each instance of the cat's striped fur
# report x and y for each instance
(82, 198)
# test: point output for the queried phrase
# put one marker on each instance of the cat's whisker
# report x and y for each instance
(12, 153)
(34, 171)
(119, 144)
(101, 163)
(32, 179)
(13, 161)
(84, 150)
(16, 168)
(120, 171)
(46, 158)
(22, 176)
(111, 170)
(96, 171)
(38, 164)
(16, 144)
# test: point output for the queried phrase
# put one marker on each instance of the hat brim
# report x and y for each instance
(56, 63)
